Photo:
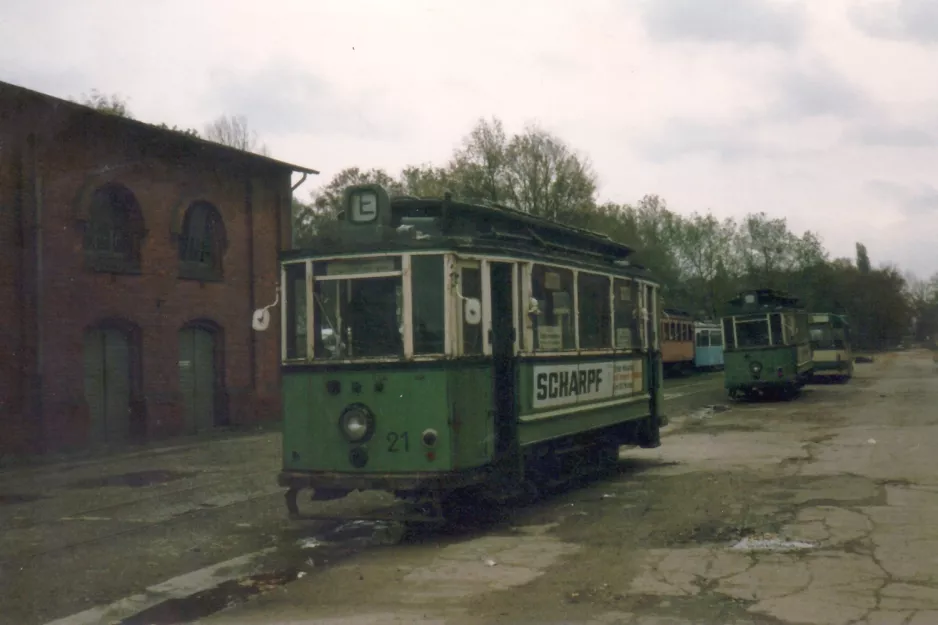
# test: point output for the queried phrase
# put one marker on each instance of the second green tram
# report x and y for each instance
(831, 348)
(434, 348)
(766, 345)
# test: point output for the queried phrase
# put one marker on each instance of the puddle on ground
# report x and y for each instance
(207, 602)
(301, 558)
(711, 532)
(135, 479)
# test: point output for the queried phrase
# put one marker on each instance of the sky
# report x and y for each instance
(823, 112)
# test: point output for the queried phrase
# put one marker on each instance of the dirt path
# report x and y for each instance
(819, 510)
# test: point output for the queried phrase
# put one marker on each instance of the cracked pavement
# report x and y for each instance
(820, 510)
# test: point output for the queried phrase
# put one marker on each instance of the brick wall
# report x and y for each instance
(76, 152)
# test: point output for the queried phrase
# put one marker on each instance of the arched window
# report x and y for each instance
(202, 243)
(114, 229)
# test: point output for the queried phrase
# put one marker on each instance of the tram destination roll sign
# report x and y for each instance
(562, 385)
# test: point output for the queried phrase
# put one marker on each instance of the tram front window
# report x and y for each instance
(821, 337)
(359, 318)
(752, 333)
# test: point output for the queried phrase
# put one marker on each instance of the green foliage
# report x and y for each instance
(189, 132)
(863, 259)
(116, 105)
(701, 261)
(111, 104)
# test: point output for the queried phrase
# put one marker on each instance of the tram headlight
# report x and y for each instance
(756, 367)
(357, 423)
(429, 438)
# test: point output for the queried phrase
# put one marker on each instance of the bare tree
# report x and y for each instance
(234, 132)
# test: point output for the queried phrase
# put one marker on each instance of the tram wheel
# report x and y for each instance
(290, 498)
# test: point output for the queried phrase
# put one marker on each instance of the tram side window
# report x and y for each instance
(716, 338)
(800, 325)
(777, 337)
(295, 296)
(359, 318)
(428, 302)
(552, 287)
(703, 339)
(728, 332)
(594, 317)
(626, 315)
(840, 337)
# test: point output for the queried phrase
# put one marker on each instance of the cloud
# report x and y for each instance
(883, 133)
(734, 105)
(903, 20)
(818, 91)
(729, 142)
(280, 98)
(736, 21)
(913, 201)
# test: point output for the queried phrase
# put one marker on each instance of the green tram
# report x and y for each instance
(766, 349)
(831, 346)
(437, 349)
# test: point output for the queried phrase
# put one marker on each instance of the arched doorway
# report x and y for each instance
(199, 375)
(108, 354)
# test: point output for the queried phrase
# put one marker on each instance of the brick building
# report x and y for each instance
(132, 258)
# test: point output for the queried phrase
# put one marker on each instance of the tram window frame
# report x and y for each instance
(593, 297)
(625, 313)
(729, 336)
(428, 304)
(547, 317)
(470, 286)
(777, 334)
(295, 328)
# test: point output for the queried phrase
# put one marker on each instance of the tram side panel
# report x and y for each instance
(560, 398)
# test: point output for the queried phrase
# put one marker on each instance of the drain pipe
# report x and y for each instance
(292, 216)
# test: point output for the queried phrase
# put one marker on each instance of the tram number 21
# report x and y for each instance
(398, 441)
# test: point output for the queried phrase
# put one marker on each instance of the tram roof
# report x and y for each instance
(763, 300)
(419, 223)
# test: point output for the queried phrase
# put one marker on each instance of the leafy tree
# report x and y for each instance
(326, 201)
(479, 166)
(701, 261)
(426, 181)
(544, 177)
(863, 259)
(534, 171)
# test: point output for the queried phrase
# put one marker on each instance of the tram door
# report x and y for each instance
(502, 339)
